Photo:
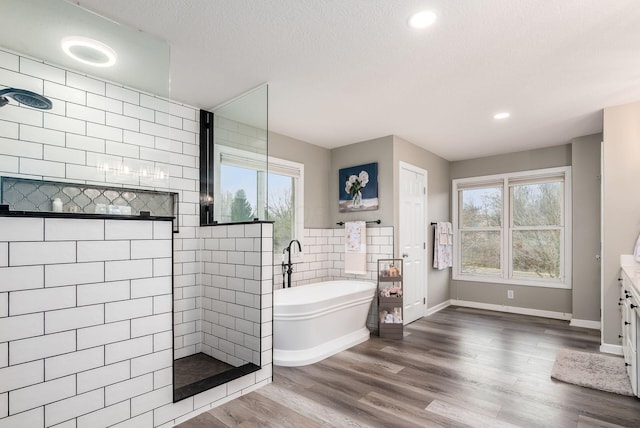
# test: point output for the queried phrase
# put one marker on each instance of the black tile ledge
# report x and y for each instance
(51, 214)
(238, 222)
(213, 381)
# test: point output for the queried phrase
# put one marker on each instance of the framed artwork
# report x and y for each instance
(358, 188)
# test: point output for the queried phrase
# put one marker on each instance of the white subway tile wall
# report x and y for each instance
(77, 352)
(93, 120)
(68, 340)
(323, 260)
(232, 296)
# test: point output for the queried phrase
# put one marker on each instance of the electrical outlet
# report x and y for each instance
(509, 294)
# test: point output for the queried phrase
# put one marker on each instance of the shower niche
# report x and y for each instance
(224, 332)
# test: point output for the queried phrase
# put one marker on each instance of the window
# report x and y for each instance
(481, 230)
(246, 190)
(285, 202)
(239, 185)
(514, 228)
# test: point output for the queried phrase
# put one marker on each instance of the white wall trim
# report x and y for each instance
(438, 307)
(595, 325)
(513, 309)
(611, 349)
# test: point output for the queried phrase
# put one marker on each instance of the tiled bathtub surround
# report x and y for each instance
(323, 256)
(236, 282)
(323, 259)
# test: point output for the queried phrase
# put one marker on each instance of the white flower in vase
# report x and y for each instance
(354, 185)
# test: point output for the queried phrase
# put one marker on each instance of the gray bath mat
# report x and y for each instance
(595, 371)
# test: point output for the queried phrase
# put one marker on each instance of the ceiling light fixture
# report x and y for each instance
(502, 115)
(422, 19)
(89, 51)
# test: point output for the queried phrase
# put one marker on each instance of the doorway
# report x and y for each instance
(413, 239)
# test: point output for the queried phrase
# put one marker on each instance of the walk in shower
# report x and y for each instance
(218, 333)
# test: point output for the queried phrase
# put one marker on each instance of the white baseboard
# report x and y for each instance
(513, 309)
(611, 349)
(595, 325)
(438, 308)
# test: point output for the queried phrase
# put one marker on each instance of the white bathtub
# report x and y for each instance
(312, 322)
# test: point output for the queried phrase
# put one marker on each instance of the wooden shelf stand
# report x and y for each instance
(390, 302)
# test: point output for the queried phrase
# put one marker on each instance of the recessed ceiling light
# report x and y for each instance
(422, 19)
(502, 115)
(89, 51)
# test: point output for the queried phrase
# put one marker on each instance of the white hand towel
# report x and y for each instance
(355, 247)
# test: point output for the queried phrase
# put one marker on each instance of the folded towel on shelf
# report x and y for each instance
(443, 245)
(355, 247)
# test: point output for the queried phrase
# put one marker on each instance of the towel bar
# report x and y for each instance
(341, 223)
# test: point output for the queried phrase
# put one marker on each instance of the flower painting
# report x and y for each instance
(358, 188)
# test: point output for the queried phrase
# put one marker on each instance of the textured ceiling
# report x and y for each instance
(343, 71)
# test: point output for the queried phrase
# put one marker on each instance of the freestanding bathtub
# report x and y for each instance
(312, 322)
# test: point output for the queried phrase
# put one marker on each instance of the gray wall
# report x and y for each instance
(621, 205)
(549, 157)
(585, 174)
(379, 150)
(549, 299)
(321, 209)
(317, 165)
(438, 208)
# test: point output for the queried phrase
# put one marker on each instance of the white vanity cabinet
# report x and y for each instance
(630, 317)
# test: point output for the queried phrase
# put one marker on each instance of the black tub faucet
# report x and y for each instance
(289, 264)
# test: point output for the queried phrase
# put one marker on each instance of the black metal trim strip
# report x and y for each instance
(206, 168)
(238, 222)
(51, 214)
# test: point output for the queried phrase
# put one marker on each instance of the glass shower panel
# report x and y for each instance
(240, 135)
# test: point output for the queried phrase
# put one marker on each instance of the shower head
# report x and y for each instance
(28, 98)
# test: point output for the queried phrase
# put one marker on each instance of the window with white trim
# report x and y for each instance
(514, 228)
(285, 202)
(246, 188)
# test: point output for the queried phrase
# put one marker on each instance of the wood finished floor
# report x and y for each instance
(457, 368)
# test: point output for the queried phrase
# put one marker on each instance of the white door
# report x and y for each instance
(413, 239)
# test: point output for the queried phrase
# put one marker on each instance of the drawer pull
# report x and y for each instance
(627, 365)
(620, 336)
(627, 323)
(633, 306)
